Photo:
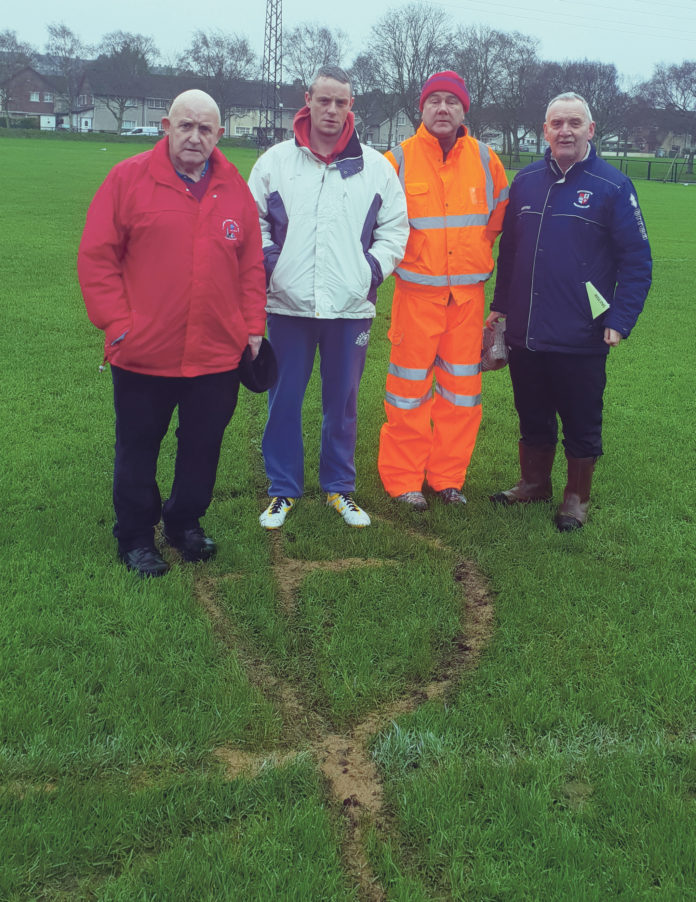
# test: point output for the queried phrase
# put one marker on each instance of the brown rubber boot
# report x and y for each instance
(572, 513)
(536, 462)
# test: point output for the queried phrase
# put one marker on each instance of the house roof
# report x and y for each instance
(168, 85)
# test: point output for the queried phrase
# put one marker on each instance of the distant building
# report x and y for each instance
(154, 95)
(32, 95)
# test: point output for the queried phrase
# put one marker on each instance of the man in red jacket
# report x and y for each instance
(171, 269)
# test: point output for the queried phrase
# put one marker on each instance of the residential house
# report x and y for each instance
(31, 94)
(151, 101)
(379, 123)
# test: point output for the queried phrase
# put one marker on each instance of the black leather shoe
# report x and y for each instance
(192, 544)
(145, 561)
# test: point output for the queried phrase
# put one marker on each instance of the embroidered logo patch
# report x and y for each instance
(231, 229)
(583, 199)
(362, 339)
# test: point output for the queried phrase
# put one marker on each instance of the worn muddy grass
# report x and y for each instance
(463, 704)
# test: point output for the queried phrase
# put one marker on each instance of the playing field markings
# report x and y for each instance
(350, 772)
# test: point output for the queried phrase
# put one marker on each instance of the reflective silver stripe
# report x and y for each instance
(491, 200)
(407, 372)
(449, 222)
(458, 400)
(485, 154)
(471, 278)
(458, 369)
(419, 278)
(398, 154)
(407, 403)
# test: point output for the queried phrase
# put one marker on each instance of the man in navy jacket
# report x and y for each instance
(574, 270)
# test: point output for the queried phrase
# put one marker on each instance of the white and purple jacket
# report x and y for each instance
(331, 231)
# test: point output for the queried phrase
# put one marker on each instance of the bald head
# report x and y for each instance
(194, 100)
(193, 128)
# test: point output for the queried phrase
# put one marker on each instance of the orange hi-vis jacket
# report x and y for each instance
(455, 211)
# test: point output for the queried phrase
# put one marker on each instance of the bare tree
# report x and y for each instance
(545, 81)
(598, 83)
(672, 91)
(66, 51)
(371, 103)
(14, 55)
(673, 87)
(118, 73)
(511, 86)
(478, 58)
(408, 45)
(220, 60)
(309, 46)
(364, 74)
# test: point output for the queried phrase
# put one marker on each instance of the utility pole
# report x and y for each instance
(271, 104)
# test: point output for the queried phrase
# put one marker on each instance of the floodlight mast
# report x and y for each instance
(271, 129)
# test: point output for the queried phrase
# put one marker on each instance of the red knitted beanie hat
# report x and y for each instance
(446, 81)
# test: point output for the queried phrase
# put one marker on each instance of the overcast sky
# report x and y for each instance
(632, 34)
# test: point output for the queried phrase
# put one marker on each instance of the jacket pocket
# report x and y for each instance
(417, 199)
(114, 336)
(124, 350)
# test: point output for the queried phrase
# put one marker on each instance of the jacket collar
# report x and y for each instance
(163, 171)
(556, 170)
(434, 145)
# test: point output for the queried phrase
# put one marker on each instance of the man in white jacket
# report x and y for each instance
(334, 226)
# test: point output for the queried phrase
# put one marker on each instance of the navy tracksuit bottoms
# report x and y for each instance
(547, 384)
(342, 345)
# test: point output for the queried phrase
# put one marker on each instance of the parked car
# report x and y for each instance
(148, 131)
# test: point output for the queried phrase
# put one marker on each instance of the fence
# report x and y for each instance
(636, 168)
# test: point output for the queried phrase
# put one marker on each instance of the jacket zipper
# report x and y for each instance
(536, 249)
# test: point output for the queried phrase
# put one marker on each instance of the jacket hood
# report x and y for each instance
(348, 153)
(302, 126)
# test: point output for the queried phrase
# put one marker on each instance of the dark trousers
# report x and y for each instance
(342, 345)
(548, 384)
(144, 406)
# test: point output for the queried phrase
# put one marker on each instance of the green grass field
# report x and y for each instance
(462, 705)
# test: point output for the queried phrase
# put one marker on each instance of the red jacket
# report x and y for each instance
(176, 284)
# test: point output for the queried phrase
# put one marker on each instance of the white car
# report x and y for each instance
(143, 131)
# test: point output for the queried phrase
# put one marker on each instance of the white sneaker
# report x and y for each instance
(276, 512)
(348, 509)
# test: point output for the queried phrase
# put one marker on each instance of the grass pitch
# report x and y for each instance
(460, 705)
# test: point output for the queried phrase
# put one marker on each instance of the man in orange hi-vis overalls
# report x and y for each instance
(456, 191)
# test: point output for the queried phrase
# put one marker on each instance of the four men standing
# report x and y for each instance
(171, 268)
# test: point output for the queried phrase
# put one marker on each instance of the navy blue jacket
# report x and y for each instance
(559, 233)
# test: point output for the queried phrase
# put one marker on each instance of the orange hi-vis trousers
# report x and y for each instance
(431, 436)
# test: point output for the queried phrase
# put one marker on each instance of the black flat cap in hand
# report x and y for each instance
(259, 374)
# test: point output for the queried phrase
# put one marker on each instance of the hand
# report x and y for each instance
(493, 317)
(255, 345)
(612, 337)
